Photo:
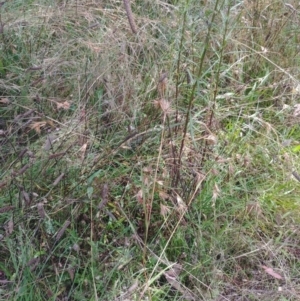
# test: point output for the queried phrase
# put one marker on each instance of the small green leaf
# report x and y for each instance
(90, 191)
(49, 226)
(296, 149)
(2, 69)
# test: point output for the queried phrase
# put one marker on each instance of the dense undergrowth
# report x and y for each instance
(152, 164)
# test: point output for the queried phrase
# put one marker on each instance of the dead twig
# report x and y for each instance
(130, 16)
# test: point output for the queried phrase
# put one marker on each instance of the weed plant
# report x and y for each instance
(149, 153)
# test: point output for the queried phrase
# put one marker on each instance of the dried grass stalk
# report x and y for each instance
(61, 232)
(130, 16)
(6, 209)
(58, 179)
(23, 169)
(57, 155)
(33, 263)
(9, 228)
(41, 210)
(3, 184)
(104, 197)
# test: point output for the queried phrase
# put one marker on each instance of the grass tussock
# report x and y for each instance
(149, 150)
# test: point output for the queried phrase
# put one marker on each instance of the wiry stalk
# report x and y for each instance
(217, 78)
(130, 16)
(192, 95)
